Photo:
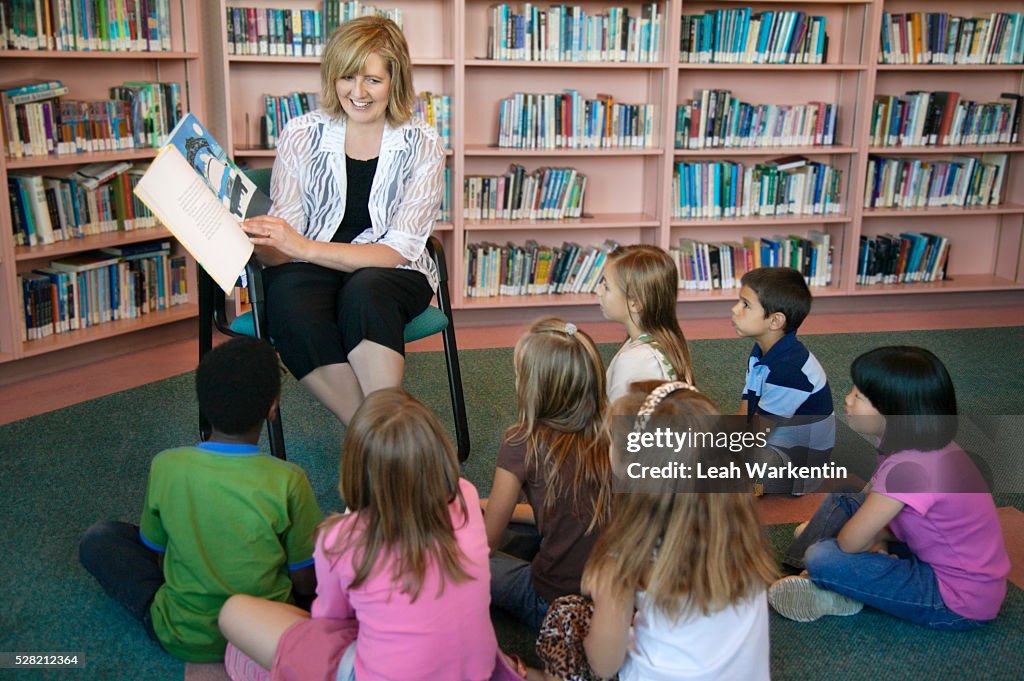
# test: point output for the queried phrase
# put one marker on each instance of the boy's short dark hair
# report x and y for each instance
(780, 289)
(911, 387)
(236, 383)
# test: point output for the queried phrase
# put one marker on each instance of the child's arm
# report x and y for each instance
(523, 513)
(303, 586)
(869, 524)
(608, 639)
(501, 506)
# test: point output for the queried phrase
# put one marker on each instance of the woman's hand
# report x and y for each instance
(270, 232)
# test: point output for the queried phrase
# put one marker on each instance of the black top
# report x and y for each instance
(357, 199)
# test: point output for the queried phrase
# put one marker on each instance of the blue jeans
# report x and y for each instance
(904, 586)
(128, 570)
(826, 522)
(512, 590)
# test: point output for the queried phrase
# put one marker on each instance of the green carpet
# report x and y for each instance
(62, 471)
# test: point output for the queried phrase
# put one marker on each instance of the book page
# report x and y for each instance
(186, 206)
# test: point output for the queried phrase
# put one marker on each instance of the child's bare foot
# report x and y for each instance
(800, 529)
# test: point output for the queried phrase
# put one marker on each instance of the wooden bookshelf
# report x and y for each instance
(89, 75)
(629, 192)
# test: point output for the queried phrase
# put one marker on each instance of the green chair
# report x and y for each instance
(435, 319)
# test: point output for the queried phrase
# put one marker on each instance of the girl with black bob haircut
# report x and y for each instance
(912, 388)
(922, 541)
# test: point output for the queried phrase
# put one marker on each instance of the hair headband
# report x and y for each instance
(643, 416)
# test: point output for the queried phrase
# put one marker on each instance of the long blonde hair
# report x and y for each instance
(692, 551)
(399, 475)
(648, 276)
(346, 52)
(560, 397)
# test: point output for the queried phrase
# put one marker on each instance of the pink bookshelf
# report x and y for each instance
(629, 190)
(89, 75)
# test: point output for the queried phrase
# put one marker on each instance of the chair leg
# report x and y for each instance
(275, 434)
(451, 359)
(206, 293)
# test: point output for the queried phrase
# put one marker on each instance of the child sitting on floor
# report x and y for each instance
(922, 542)
(692, 565)
(402, 579)
(786, 387)
(557, 454)
(639, 290)
(219, 518)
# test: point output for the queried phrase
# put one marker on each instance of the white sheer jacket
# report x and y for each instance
(309, 185)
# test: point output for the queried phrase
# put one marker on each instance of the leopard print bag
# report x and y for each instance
(560, 642)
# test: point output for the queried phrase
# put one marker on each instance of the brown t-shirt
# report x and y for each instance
(565, 545)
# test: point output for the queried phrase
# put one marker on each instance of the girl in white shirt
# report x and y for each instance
(638, 290)
(678, 578)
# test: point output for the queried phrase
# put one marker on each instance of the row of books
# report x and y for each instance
(544, 194)
(565, 33)
(532, 269)
(941, 38)
(123, 282)
(726, 189)
(337, 12)
(568, 121)
(907, 258)
(40, 122)
(705, 266)
(277, 111)
(87, 25)
(95, 199)
(942, 118)
(274, 32)
(717, 119)
(915, 183)
(742, 36)
(436, 111)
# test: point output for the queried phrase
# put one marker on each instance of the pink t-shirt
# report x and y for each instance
(437, 637)
(949, 521)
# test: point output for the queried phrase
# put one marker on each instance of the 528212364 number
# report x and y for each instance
(40, 660)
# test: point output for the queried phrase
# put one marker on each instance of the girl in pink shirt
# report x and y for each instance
(922, 541)
(402, 579)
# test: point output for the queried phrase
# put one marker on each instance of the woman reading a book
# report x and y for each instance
(356, 187)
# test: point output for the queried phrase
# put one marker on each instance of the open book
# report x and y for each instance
(201, 196)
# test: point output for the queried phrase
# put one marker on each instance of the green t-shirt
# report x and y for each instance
(229, 520)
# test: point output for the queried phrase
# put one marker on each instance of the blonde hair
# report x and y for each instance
(399, 475)
(648, 276)
(693, 551)
(346, 52)
(560, 397)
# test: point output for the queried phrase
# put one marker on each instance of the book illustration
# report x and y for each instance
(204, 215)
(206, 157)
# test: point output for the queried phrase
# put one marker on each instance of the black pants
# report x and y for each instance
(128, 570)
(316, 316)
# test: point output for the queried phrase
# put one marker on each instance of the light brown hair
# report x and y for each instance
(648, 277)
(693, 551)
(399, 475)
(346, 52)
(560, 398)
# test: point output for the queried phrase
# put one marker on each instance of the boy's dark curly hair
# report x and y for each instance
(236, 383)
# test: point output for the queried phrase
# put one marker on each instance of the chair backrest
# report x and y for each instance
(261, 178)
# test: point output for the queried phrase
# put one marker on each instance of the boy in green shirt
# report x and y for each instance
(220, 517)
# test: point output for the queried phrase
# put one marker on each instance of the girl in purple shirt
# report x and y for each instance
(922, 541)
